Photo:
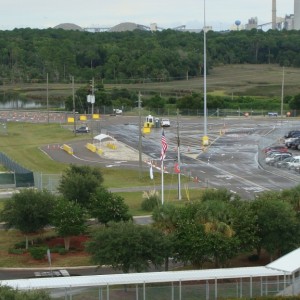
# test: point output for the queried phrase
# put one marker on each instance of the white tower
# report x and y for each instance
(297, 14)
(274, 25)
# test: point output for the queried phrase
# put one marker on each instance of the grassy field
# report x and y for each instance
(232, 80)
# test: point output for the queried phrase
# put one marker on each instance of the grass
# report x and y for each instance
(243, 80)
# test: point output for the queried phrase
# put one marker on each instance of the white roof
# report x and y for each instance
(289, 263)
(102, 136)
(286, 265)
(132, 278)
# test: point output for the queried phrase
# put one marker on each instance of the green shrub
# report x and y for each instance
(57, 249)
(150, 203)
(38, 252)
(62, 251)
(16, 251)
(20, 245)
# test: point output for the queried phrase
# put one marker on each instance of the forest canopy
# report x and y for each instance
(28, 55)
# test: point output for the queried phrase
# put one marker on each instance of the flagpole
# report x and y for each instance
(162, 181)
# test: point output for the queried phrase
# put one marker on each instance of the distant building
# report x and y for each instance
(252, 24)
(288, 22)
(68, 26)
(296, 15)
(128, 26)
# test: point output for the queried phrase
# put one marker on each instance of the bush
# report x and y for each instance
(20, 245)
(150, 203)
(38, 252)
(62, 251)
(16, 251)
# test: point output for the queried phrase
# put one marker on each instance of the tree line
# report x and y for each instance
(215, 228)
(28, 55)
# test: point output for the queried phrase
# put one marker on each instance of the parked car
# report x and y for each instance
(279, 148)
(295, 143)
(279, 157)
(118, 111)
(272, 152)
(284, 163)
(165, 123)
(290, 133)
(272, 114)
(288, 141)
(271, 156)
(83, 129)
(295, 163)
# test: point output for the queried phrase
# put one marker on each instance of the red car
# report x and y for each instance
(279, 148)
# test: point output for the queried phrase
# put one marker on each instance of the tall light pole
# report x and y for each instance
(282, 93)
(205, 140)
(74, 111)
(47, 98)
(140, 135)
(178, 158)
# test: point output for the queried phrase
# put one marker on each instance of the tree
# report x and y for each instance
(203, 230)
(106, 207)
(128, 246)
(278, 226)
(28, 211)
(68, 217)
(78, 183)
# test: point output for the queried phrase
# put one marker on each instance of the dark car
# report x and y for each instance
(295, 143)
(83, 129)
(290, 133)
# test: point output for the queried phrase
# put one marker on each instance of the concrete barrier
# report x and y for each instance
(68, 149)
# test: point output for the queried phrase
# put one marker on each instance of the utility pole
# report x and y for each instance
(178, 158)
(282, 94)
(140, 136)
(73, 96)
(93, 101)
(47, 98)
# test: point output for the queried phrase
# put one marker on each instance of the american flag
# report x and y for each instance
(164, 146)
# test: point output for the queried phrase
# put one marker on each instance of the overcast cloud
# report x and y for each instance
(220, 14)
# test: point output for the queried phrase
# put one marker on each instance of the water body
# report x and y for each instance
(30, 104)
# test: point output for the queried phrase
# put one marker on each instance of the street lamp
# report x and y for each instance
(205, 139)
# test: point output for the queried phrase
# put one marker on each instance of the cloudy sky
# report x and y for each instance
(220, 14)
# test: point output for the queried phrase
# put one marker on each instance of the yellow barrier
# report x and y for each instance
(91, 147)
(146, 130)
(99, 151)
(82, 118)
(96, 116)
(68, 149)
(111, 146)
(70, 120)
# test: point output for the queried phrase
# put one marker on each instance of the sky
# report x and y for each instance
(219, 14)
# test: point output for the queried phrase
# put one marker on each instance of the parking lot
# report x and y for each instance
(234, 159)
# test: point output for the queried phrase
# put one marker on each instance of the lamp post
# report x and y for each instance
(205, 139)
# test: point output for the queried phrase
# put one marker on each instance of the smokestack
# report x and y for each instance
(274, 14)
(297, 14)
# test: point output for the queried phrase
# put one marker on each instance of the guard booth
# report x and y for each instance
(157, 123)
(149, 121)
